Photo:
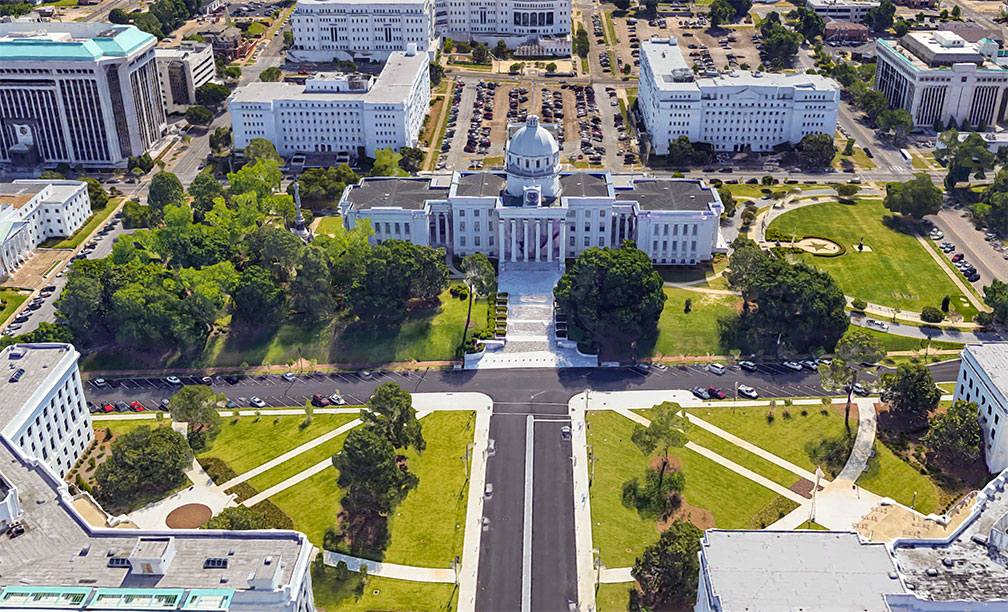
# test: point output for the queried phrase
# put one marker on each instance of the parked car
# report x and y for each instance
(137, 407)
(337, 399)
(258, 403)
(700, 393)
(122, 406)
(747, 391)
(320, 400)
(99, 382)
(287, 376)
(716, 368)
(642, 368)
(793, 366)
(860, 389)
(565, 432)
(715, 393)
(748, 366)
(808, 364)
(164, 403)
(173, 380)
(206, 380)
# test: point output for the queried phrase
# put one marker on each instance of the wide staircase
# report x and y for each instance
(531, 332)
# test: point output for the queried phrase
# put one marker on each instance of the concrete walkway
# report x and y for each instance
(390, 570)
(583, 549)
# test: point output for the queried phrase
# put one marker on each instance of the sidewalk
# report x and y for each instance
(390, 570)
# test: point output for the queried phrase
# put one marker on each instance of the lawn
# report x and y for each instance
(298, 464)
(897, 271)
(892, 342)
(255, 29)
(122, 426)
(610, 30)
(619, 532)
(695, 332)
(890, 476)
(247, 442)
(785, 438)
(741, 456)
(613, 597)
(329, 225)
(859, 160)
(427, 334)
(10, 300)
(98, 216)
(428, 526)
(332, 595)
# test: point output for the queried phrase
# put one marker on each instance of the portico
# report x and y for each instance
(531, 235)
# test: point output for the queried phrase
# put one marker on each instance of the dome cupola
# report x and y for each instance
(533, 158)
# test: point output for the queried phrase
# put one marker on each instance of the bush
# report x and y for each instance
(930, 314)
(859, 304)
(218, 471)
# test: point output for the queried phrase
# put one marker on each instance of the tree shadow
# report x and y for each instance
(897, 224)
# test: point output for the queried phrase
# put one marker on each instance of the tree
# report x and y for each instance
(996, 296)
(310, 289)
(880, 18)
(667, 430)
(849, 147)
(387, 164)
(728, 200)
(479, 277)
(613, 294)
(96, 193)
(257, 296)
(197, 114)
(744, 265)
(143, 162)
(809, 24)
(956, 435)
(270, 75)
(780, 43)
(741, 7)
(552, 67)
(816, 151)
(196, 405)
(916, 197)
(119, 17)
(279, 250)
(873, 102)
(220, 139)
(480, 53)
(204, 189)
(898, 121)
(390, 414)
(232, 72)
(911, 394)
(412, 159)
(668, 570)
(971, 157)
(325, 185)
(901, 27)
(501, 51)
(238, 518)
(212, 94)
(135, 215)
(622, 4)
(143, 460)
(260, 148)
(436, 71)
(930, 314)
(854, 352)
(581, 45)
(516, 67)
(720, 12)
(165, 190)
(391, 274)
(846, 190)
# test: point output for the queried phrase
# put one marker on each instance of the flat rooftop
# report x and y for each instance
(937, 49)
(819, 571)
(69, 41)
(17, 195)
(993, 358)
(840, 3)
(42, 364)
(406, 193)
(669, 194)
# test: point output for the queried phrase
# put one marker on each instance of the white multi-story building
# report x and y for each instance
(343, 29)
(77, 93)
(533, 212)
(34, 210)
(337, 112)
(327, 30)
(64, 560)
(842, 10)
(941, 76)
(983, 379)
(182, 70)
(44, 411)
(735, 111)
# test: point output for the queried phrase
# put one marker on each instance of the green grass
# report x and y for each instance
(693, 333)
(313, 504)
(255, 29)
(332, 595)
(918, 162)
(428, 526)
(754, 192)
(98, 216)
(426, 334)
(298, 464)
(585, 65)
(247, 444)
(741, 456)
(890, 476)
(11, 300)
(892, 342)
(122, 426)
(947, 387)
(897, 271)
(812, 526)
(610, 29)
(859, 160)
(785, 438)
(631, 93)
(613, 597)
(329, 225)
(619, 532)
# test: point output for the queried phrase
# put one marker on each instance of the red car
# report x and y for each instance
(320, 400)
(137, 407)
(715, 393)
(108, 408)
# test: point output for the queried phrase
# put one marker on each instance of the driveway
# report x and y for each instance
(970, 242)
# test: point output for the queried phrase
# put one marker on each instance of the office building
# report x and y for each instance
(327, 30)
(983, 379)
(62, 562)
(341, 29)
(337, 112)
(77, 93)
(833, 571)
(841, 10)
(734, 111)
(533, 212)
(227, 40)
(182, 70)
(940, 76)
(43, 410)
(32, 211)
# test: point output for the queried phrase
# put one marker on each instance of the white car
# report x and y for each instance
(877, 324)
(747, 391)
(258, 403)
(337, 399)
(288, 377)
(173, 380)
(793, 365)
(98, 382)
(717, 368)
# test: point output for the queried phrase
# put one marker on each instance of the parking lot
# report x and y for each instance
(587, 118)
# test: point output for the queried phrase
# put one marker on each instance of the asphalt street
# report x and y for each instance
(516, 394)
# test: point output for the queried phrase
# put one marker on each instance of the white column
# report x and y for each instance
(551, 239)
(525, 233)
(538, 241)
(500, 240)
(562, 253)
(514, 240)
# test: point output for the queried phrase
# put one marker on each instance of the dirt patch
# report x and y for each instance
(701, 517)
(804, 487)
(674, 464)
(189, 516)
(433, 121)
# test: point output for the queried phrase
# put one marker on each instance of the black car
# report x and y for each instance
(122, 406)
(231, 380)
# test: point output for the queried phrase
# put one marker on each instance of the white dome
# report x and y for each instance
(533, 140)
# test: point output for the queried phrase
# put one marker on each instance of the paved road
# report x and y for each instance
(517, 394)
(969, 241)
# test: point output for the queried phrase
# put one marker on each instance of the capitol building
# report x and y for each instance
(535, 212)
